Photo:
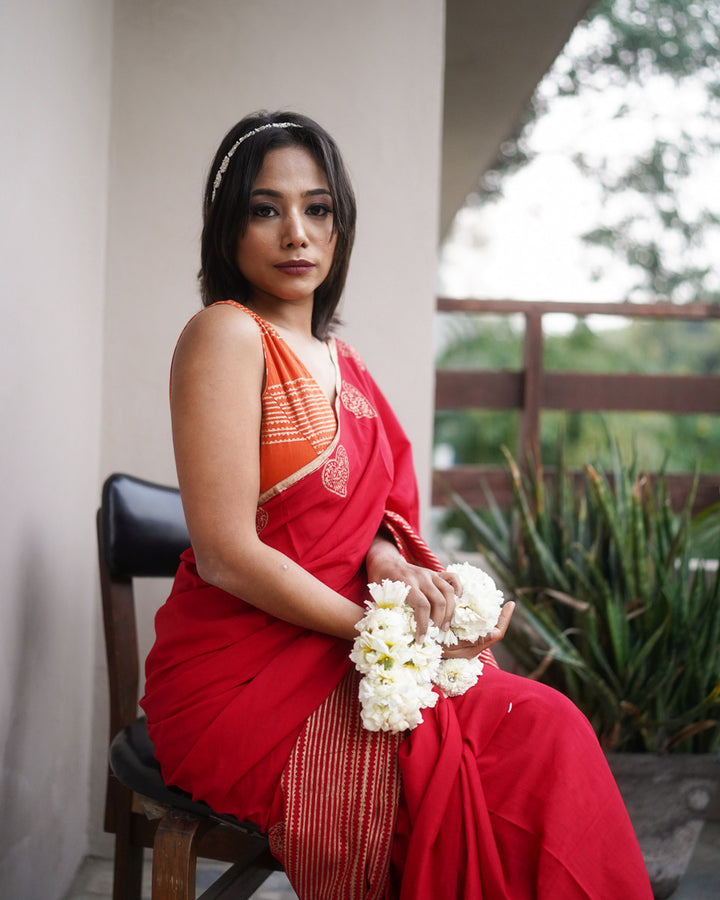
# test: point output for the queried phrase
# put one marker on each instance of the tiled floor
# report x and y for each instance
(701, 881)
(94, 881)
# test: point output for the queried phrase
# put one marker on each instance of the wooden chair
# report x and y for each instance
(141, 533)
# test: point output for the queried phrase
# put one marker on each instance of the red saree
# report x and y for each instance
(505, 792)
(229, 688)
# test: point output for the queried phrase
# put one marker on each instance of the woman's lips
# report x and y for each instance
(295, 267)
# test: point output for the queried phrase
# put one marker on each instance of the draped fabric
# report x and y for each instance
(500, 794)
(341, 792)
(508, 796)
(229, 688)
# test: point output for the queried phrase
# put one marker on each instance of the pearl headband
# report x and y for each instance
(231, 152)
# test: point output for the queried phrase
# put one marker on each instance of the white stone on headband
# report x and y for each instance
(229, 155)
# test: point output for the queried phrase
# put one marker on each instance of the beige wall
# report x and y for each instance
(184, 72)
(54, 120)
(88, 334)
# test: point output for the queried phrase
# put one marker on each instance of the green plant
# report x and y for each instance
(613, 608)
(706, 532)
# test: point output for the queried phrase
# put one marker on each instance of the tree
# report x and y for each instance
(642, 56)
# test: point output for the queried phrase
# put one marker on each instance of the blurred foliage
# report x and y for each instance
(630, 43)
(622, 45)
(706, 532)
(613, 607)
(641, 38)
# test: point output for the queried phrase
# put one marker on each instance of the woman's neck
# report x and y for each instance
(293, 322)
(289, 318)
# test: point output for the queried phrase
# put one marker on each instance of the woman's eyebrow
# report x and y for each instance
(270, 193)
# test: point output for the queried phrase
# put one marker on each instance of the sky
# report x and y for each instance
(527, 245)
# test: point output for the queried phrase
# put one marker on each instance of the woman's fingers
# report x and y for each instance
(454, 581)
(432, 594)
(467, 649)
(505, 615)
(456, 588)
(432, 599)
(421, 608)
(498, 632)
(461, 651)
(447, 586)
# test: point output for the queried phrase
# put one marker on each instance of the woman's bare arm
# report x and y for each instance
(217, 382)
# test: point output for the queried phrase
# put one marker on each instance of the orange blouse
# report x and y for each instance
(298, 422)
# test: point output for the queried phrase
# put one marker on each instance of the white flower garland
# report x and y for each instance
(399, 673)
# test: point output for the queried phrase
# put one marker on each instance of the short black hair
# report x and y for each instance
(226, 217)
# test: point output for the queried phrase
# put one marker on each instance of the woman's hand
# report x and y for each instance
(432, 594)
(469, 649)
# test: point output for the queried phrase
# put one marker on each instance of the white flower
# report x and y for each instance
(455, 676)
(385, 638)
(398, 673)
(371, 650)
(392, 700)
(478, 610)
(424, 658)
(392, 625)
(448, 638)
(389, 593)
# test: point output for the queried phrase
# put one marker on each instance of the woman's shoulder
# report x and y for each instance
(225, 321)
(218, 332)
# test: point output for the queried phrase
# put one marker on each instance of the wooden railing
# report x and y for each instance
(534, 389)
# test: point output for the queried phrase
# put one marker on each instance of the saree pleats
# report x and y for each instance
(341, 787)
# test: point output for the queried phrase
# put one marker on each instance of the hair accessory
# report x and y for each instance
(231, 152)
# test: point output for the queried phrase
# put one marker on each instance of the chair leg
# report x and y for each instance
(128, 862)
(127, 871)
(175, 856)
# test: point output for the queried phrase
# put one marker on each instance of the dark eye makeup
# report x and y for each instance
(267, 211)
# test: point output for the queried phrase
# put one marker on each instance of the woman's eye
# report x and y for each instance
(319, 210)
(263, 211)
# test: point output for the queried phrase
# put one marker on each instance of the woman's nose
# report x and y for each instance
(294, 232)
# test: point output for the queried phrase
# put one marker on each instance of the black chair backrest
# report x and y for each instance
(143, 528)
(141, 533)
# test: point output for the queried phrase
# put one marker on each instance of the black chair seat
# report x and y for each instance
(132, 759)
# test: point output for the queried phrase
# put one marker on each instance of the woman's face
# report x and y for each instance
(287, 249)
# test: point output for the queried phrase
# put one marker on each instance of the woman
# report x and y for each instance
(298, 489)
